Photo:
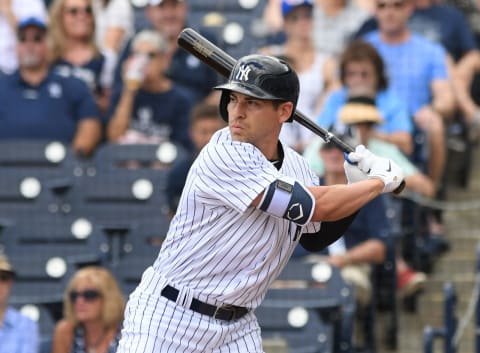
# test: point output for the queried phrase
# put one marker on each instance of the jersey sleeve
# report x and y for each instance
(233, 173)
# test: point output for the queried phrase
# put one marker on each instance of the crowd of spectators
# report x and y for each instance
(391, 74)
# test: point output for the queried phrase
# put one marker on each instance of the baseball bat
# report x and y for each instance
(223, 63)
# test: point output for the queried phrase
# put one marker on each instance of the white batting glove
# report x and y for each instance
(377, 167)
(353, 173)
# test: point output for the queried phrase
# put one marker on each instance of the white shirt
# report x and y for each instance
(117, 14)
(311, 88)
(218, 246)
(8, 38)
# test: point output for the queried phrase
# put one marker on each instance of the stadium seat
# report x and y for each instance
(321, 289)
(301, 328)
(122, 196)
(137, 158)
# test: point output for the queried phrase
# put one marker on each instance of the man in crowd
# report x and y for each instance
(36, 103)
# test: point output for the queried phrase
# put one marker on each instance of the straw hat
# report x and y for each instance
(360, 109)
(5, 265)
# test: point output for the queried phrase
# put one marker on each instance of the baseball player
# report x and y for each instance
(246, 203)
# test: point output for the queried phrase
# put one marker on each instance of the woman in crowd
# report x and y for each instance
(93, 313)
(316, 71)
(73, 47)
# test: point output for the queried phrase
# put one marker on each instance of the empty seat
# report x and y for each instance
(55, 229)
(333, 300)
(126, 197)
(300, 327)
(137, 158)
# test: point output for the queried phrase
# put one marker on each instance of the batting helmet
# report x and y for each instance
(262, 77)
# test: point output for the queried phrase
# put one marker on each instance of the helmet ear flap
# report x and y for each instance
(224, 100)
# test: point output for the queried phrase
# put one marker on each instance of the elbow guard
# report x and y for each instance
(288, 199)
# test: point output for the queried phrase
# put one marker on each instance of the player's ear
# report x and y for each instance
(285, 110)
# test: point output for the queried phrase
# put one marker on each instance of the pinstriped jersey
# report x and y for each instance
(220, 247)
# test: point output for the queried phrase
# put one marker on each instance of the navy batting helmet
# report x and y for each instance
(262, 77)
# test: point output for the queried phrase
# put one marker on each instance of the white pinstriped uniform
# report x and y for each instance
(218, 250)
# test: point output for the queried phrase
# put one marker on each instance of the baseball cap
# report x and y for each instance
(289, 5)
(5, 265)
(31, 21)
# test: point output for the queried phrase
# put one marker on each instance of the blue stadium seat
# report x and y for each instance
(123, 196)
(137, 158)
(41, 266)
(331, 298)
(55, 229)
(301, 328)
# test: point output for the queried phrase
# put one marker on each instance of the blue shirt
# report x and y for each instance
(48, 111)
(394, 113)
(411, 68)
(18, 334)
(90, 72)
(164, 114)
(440, 23)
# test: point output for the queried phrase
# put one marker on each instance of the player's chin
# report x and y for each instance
(238, 134)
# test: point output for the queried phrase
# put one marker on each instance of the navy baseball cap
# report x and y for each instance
(289, 5)
(31, 22)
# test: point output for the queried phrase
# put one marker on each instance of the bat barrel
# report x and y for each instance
(206, 51)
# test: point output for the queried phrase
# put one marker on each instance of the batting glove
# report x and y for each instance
(353, 173)
(377, 167)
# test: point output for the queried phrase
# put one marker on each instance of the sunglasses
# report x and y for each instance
(37, 38)
(392, 4)
(89, 295)
(75, 11)
(5, 277)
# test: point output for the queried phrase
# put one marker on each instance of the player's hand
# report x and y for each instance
(353, 173)
(377, 167)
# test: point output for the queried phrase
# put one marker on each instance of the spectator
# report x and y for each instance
(17, 332)
(445, 24)
(204, 122)
(93, 312)
(36, 103)
(316, 71)
(361, 115)
(362, 112)
(170, 18)
(150, 108)
(73, 47)
(114, 25)
(11, 12)
(335, 22)
(363, 244)
(362, 67)
(418, 74)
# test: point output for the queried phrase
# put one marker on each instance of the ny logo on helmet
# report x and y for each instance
(242, 73)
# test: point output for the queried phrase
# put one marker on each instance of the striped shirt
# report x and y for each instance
(219, 247)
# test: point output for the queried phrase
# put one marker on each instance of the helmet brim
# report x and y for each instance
(246, 89)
